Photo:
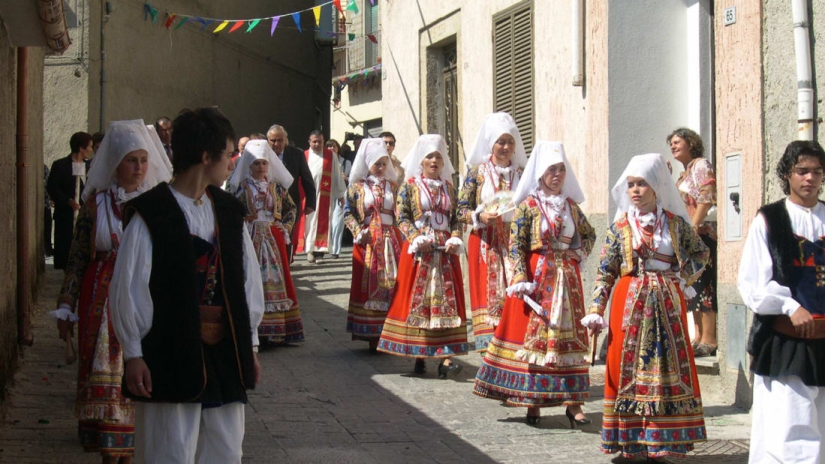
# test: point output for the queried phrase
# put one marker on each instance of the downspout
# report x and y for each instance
(24, 334)
(578, 43)
(805, 90)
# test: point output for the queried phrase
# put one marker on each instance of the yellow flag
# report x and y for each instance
(221, 27)
(317, 12)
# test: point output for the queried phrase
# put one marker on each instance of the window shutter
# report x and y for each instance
(513, 67)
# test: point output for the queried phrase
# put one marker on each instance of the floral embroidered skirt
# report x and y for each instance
(504, 376)
(652, 402)
(705, 299)
(401, 338)
(480, 275)
(365, 317)
(282, 318)
(106, 418)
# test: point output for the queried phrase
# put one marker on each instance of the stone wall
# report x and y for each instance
(8, 208)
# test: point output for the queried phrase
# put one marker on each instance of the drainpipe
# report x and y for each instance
(578, 42)
(805, 90)
(24, 334)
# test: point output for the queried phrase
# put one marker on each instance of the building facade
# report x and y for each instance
(124, 66)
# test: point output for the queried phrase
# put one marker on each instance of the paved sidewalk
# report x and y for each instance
(329, 400)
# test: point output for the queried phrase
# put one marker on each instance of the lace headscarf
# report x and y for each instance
(370, 151)
(651, 167)
(426, 144)
(253, 151)
(494, 126)
(544, 155)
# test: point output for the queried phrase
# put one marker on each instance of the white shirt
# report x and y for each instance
(130, 301)
(370, 199)
(759, 291)
(437, 220)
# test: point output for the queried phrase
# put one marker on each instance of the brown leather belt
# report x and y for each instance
(783, 325)
(213, 327)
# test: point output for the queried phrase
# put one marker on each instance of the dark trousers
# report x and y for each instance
(63, 231)
(47, 231)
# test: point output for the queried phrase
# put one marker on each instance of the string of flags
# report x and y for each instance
(174, 21)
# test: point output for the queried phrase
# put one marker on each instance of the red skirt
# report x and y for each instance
(283, 326)
(477, 268)
(503, 377)
(106, 417)
(635, 435)
(400, 339)
(364, 324)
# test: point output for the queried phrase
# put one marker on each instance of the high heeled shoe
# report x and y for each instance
(420, 366)
(443, 370)
(574, 422)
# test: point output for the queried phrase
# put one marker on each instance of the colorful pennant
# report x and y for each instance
(297, 18)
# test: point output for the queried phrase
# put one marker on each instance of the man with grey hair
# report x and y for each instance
(296, 163)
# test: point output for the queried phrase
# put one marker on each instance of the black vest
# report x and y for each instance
(173, 349)
(774, 354)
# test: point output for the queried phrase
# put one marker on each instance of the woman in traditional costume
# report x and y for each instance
(538, 355)
(129, 162)
(652, 402)
(427, 316)
(370, 216)
(261, 182)
(495, 166)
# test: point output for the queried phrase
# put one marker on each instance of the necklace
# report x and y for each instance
(647, 236)
(496, 178)
(555, 227)
(435, 203)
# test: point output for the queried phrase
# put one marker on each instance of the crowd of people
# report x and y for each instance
(176, 216)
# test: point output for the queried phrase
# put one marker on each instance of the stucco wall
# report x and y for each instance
(574, 115)
(8, 185)
(739, 124)
(255, 79)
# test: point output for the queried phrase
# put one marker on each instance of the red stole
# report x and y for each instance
(324, 193)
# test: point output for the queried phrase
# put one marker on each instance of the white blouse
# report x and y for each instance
(437, 220)
(759, 291)
(370, 199)
(661, 236)
(130, 301)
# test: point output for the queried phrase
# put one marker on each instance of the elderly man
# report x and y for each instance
(163, 126)
(314, 228)
(296, 164)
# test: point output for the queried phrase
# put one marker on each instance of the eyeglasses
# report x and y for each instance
(389, 143)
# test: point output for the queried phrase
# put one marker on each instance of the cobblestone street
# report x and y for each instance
(330, 400)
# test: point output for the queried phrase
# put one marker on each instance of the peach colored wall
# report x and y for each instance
(739, 118)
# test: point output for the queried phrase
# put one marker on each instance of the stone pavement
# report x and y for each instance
(329, 400)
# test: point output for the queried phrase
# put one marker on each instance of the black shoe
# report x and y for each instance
(532, 420)
(574, 421)
(443, 370)
(333, 256)
(420, 366)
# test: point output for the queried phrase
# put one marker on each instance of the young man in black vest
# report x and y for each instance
(186, 300)
(782, 280)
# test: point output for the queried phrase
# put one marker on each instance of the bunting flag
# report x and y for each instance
(179, 20)
(317, 12)
(237, 26)
(372, 38)
(182, 22)
(221, 27)
(252, 25)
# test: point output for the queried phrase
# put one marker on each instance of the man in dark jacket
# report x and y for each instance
(63, 188)
(296, 163)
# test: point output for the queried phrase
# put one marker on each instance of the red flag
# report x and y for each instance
(372, 38)
(236, 26)
(169, 21)
(337, 4)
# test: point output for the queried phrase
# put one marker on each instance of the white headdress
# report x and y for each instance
(370, 151)
(651, 167)
(122, 138)
(544, 155)
(426, 144)
(253, 151)
(493, 127)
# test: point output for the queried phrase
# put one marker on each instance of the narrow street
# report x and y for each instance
(330, 400)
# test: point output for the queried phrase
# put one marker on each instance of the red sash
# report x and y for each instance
(322, 210)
